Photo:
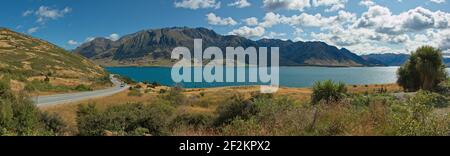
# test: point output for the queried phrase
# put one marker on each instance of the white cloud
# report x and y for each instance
(367, 3)
(438, 1)
(72, 42)
(113, 37)
(383, 21)
(197, 4)
(45, 13)
(286, 4)
(301, 5)
(271, 19)
(216, 20)
(334, 5)
(240, 4)
(32, 30)
(252, 21)
(248, 32)
(27, 13)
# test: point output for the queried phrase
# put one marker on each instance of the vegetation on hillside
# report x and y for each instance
(19, 116)
(43, 66)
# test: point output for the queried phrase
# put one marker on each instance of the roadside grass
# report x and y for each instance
(206, 102)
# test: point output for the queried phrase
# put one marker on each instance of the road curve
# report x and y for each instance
(74, 97)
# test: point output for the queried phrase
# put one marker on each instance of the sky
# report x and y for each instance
(366, 26)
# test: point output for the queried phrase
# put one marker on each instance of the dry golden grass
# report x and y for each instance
(213, 97)
(68, 111)
(371, 89)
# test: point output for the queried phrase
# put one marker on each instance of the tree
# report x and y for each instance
(424, 70)
(328, 91)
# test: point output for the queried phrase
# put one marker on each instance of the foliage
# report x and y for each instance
(19, 115)
(237, 106)
(424, 70)
(129, 119)
(174, 95)
(328, 91)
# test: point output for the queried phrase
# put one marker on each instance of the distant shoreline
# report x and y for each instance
(167, 66)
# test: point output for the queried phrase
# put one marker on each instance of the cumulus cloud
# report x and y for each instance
(45, 13)
(334, 5)
(286, 4)
(418, 19)
(72, 42)
(367, 3)
(113, 37)
(240, 4)
(248, 32)
(213, 19)
(197, 4)
(252, 21)
(438, 1)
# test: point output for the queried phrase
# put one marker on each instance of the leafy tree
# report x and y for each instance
(328, 91)
(424, 70)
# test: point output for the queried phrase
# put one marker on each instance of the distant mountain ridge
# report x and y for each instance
(154, 47)
(391, 59)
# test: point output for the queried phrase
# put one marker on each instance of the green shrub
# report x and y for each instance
(237, 106)
(240, 127)
(128, 119)
(328, 91)
(82, 87)
(425, 69)
(20, 116)
(175, 96)
(195, 120)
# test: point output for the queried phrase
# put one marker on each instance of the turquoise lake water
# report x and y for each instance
(289, 76)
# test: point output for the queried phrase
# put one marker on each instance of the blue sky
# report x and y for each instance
(367, 26)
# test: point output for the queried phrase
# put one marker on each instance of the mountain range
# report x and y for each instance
(391, 59)
(153, 48)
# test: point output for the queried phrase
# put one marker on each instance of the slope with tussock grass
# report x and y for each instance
(24, 59)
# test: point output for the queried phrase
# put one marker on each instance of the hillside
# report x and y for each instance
(153, 47)
(391, 59)
(41, 66)
(388, 59)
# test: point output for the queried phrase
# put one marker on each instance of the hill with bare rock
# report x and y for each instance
(153, 48)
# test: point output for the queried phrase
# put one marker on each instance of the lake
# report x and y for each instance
(289, 76)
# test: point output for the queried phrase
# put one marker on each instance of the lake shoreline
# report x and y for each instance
(168, 66)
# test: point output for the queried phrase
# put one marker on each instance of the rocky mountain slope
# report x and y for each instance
(154, 47)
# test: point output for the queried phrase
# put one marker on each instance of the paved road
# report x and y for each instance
(74, 97)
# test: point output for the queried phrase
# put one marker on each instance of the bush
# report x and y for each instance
(328, 91)
(19, 115)
(82, 87)
(424, 70)
(129, 119)
(175, 96)
(237, 106)
(195, 120)
(415, 117)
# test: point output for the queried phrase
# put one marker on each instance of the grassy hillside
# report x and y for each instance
(38, 65)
